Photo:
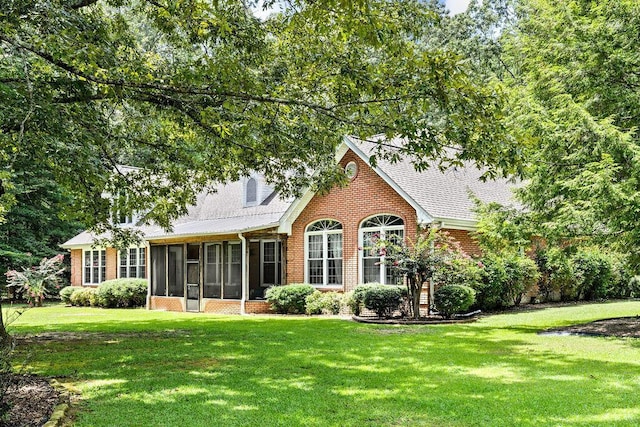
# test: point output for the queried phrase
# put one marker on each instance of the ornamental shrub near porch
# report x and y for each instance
(289, 299)
(454, 299)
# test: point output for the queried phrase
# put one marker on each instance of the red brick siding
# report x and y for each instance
(365, 196)
(222, 306)
(76, 267)
(112, 264)
(257, 307)
(467, 243)
(167, 303)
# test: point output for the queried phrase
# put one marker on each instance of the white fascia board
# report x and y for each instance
(457, 223)
(423, 216)
(298, 205)
(151, 239)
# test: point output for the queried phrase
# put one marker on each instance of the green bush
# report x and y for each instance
(289, 299)
(82, 297)
(592, 268)
(323, 302)
(355, 298)
(66, 292)
(506, 279)
(633, 287)
(621, 285)
(383, 299)
(557, 278)
(453, 299)
(122, 293)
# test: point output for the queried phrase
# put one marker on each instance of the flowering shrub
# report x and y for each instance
(38, 282)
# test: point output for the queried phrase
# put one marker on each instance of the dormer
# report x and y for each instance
(255, 190)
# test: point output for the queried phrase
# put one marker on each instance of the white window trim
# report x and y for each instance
(100, 266)
(138, 266)
(382, 231)
(277, 262)
(325, 253)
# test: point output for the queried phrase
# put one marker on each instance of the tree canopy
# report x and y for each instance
(197, 92)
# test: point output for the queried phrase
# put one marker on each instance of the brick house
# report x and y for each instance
(235, 243)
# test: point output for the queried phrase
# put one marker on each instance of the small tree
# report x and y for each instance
(39, 281)
(418, 261)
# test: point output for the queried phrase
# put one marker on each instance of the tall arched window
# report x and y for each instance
(372, 266)
(323, 253)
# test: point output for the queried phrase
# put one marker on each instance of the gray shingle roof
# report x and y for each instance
(442, 194)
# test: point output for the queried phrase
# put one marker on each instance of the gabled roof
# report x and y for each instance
(219, 212)
(445, 197)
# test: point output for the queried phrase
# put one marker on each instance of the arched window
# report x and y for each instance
(252, 191)
(323, 253)
(372, 266)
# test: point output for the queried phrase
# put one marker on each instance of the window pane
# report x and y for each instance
(175, 271)
(334, 241)
(123, 258)
(335, 272)
(193, 273)
(269, 251)
(316, 272)
(233, 283)
(315, 246)
(371, 271)
(158, 273)
(269, 274)
(123, 271)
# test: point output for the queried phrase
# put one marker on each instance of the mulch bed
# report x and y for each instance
(622, 327)
(30, 401)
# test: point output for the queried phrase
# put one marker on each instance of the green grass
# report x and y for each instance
(142, 368)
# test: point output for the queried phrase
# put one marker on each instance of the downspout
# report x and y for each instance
(147, 267)
(243, 298)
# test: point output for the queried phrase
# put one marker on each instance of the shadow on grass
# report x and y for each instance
(269, 371)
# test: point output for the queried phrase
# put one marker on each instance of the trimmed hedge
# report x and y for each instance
(122, 293)
(453, 299)
(289, 299)
(66, 292)
(384, 300)
(323, 302)
(84, 297)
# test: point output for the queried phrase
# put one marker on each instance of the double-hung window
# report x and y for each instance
(323, 250)
(95, 266)
(372, 262)
(133, 263)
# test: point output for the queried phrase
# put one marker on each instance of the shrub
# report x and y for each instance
(289, 299)
(355, 298)
(122, 293)
(454, 299)
(38, 282)
(592, 268)
(633, 287)
(383, 299)
(66, 292)
(323, 302)
(557, 277)
(506, 279)
(82, 297)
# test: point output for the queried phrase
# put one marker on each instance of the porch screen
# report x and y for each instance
(158, 271)
(175, 270)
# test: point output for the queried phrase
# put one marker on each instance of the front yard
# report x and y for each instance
(136, 367)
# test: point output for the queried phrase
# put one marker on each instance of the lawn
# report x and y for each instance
(142, 368)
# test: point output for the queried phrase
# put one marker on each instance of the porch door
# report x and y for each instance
(193, 277)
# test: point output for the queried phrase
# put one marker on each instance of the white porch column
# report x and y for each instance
(245, 280)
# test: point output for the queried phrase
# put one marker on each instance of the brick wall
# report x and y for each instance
(467, 243)
(257, 307)
(167, 303)
(112, 264)
(365, 196)
(76, 267)
(222, 306)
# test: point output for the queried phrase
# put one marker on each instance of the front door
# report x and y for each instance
(193, 277)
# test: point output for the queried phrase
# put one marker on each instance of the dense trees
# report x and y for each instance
(200, 92)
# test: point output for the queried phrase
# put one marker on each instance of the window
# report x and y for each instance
(133, 263)
(323, 241)
(95, 266)
(232, 288)
(212, 271)
(271, 262)
(252, 191)
(373, 268)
